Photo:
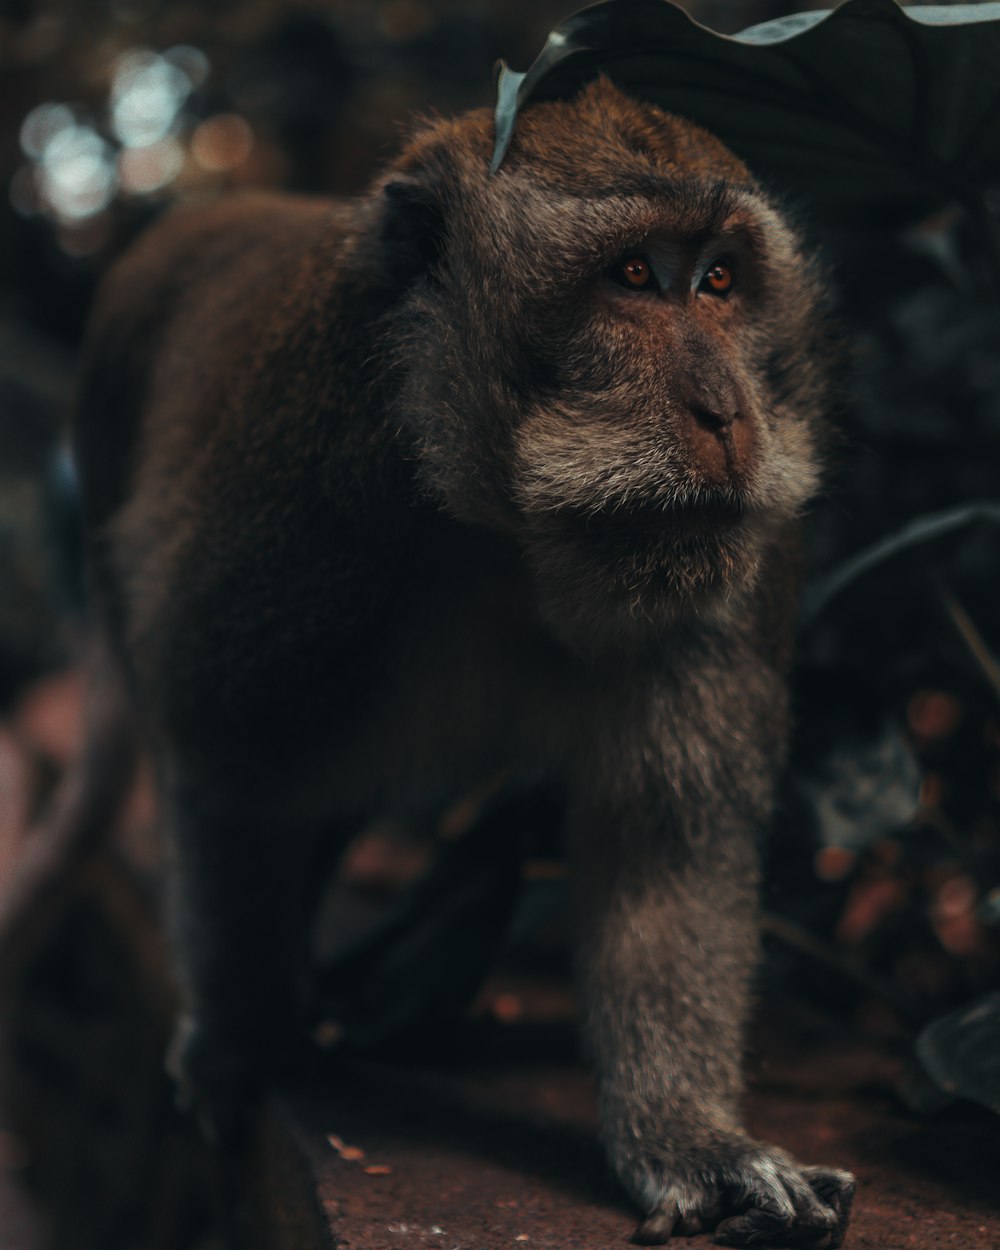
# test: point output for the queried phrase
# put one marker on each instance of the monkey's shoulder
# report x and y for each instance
(225, 334)
(229, 268)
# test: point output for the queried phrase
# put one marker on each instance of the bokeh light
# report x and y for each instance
(76, 166)
(222, 142)
(147, 169)
(147, 94)
(76, 173)
(192, 62)
(42, 125)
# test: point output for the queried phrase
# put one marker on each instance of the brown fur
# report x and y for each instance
(384, 497)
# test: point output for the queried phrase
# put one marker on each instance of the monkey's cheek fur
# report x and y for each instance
(746, 1192)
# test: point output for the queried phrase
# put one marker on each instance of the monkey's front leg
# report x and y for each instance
(666, 868)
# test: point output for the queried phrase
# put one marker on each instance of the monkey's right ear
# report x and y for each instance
(413, 230)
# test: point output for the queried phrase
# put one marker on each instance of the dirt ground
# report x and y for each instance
(495, 1147)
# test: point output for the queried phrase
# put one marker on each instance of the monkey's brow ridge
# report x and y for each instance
(709, 199)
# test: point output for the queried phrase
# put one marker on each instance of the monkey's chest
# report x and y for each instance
(470, 690)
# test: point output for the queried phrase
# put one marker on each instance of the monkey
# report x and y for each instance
(477, 474)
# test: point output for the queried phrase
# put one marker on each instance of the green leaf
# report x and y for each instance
(961, 1052)
(871, 110)
(916, 533)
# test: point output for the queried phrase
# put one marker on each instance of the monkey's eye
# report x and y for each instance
(717, 279)
(634, 272)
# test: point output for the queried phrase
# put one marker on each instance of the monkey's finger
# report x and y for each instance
(835, 1189)
(658, 1227)
(697, 1222)
(813, 1216)
(757, 1226)
(754, 1226)
(702, 1219)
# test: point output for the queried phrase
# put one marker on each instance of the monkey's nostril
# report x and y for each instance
(713, 419)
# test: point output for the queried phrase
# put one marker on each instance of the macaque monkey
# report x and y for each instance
(477, 474)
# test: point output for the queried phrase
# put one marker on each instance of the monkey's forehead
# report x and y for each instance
(599, 142)
(602, 139)
(598, 145)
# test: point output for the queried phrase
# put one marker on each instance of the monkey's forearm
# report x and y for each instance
(665, 970)
(665, 837)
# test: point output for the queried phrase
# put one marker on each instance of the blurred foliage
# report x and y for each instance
(896, 769)
(884, 895)
(960, 1051)
(871, 111)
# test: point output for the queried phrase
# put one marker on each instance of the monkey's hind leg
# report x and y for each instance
(239, 927)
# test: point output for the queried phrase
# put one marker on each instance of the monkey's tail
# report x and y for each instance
(80, 818)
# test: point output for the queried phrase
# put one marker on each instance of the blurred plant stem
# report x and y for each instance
(816, 948)
(988, 224)
(974, 642)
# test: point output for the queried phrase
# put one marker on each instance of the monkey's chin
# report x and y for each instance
(623, 588)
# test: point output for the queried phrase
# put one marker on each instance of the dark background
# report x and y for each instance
(884, 891)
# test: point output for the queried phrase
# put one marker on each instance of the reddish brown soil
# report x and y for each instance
(503, 1154)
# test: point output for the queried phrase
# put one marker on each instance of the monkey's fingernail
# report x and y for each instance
(656, 1228)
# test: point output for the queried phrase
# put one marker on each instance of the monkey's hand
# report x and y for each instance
(749, 1193)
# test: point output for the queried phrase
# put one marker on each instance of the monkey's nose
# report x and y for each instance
(721, 439)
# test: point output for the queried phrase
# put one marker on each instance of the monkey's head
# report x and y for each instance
(612, 350)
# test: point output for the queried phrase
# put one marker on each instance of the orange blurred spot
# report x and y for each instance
(222, 142)
(351, 1153)
(953, 915)
(146, 169)
(959, 935)
(833, 863)
(933, 715)
(507, 1008)
(15, 801)
(870, 902)
(404, 19)
(956, 896)
(50, 717)
(327, 1033)
(931, 791)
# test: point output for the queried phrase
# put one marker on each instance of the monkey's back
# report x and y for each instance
(237, 473)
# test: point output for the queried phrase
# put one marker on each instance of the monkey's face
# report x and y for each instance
(620, 363)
